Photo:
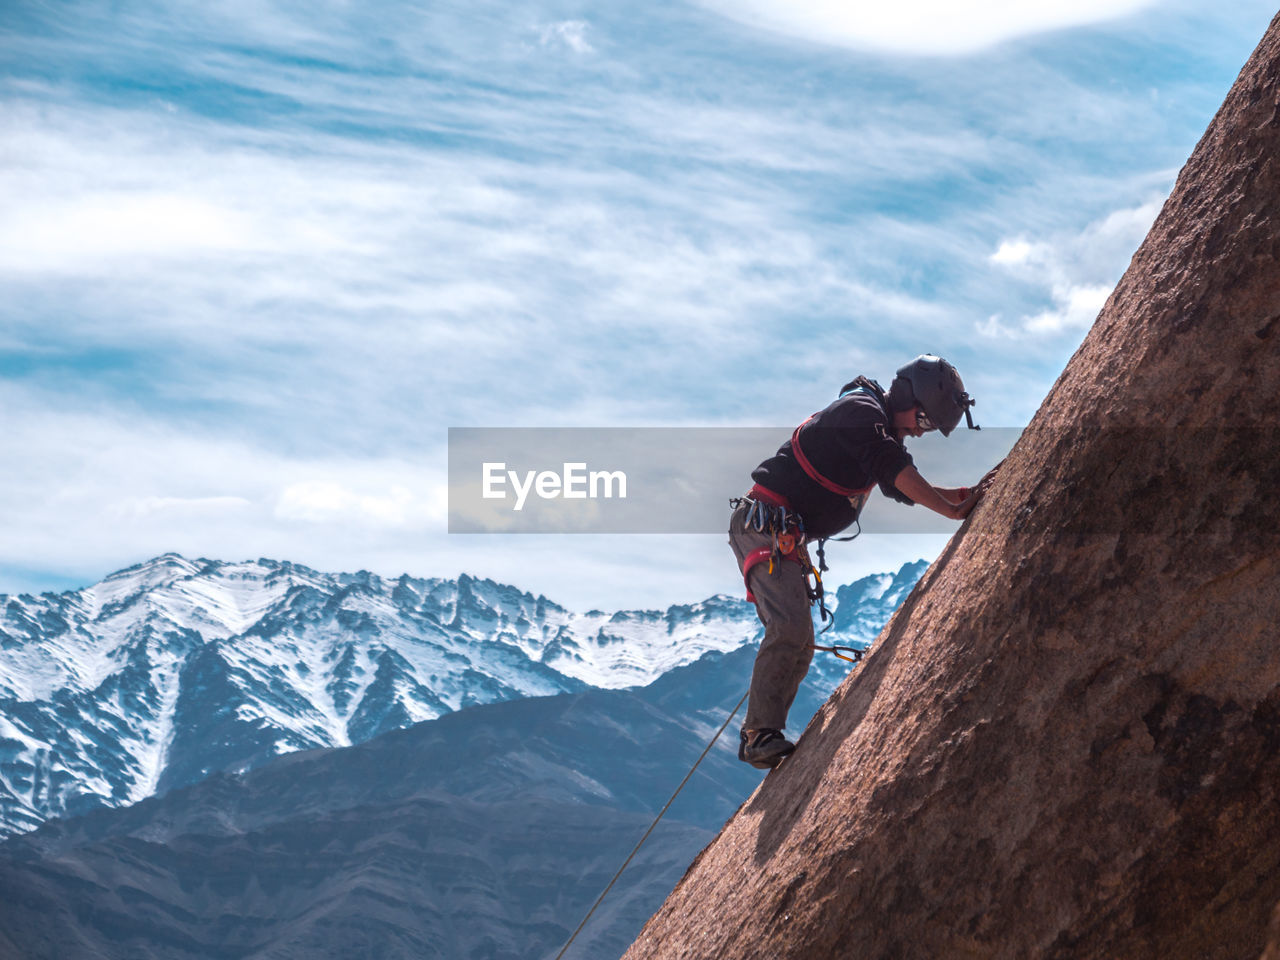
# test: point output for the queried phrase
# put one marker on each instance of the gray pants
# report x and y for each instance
(783, 607)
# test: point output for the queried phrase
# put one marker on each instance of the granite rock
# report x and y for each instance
(1066, 743)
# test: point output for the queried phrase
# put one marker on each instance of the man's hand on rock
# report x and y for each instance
(961, 511)
(989, 478)
(966, 505)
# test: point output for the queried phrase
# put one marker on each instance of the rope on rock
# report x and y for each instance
(637, 847)
(856, 658)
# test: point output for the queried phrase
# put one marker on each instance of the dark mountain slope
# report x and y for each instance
(485, 833)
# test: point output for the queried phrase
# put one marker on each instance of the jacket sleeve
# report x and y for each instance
(885, 459)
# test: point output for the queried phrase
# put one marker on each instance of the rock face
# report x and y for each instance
(1066, 743)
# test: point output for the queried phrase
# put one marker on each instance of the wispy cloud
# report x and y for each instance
(358, 264)
(920, 26)
(110, 492)
(179, 508)
(256, 257)
(567, 34)
(328, 501)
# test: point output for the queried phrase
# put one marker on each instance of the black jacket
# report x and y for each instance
(852, 444)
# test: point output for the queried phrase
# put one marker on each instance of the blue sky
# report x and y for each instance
(256, 258)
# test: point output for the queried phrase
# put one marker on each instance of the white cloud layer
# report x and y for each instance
(370, 264)
(330, 501)
(98, 494)
(920, 26)
(240, 306)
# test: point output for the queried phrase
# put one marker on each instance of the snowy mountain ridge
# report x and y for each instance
(174, 668)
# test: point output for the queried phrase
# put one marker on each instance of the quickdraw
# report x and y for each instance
(857, 654)
(817, 593)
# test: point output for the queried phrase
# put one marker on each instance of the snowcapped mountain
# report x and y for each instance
(172, 669)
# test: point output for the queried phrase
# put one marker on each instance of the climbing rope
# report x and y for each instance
(634, 851)
(856, 658)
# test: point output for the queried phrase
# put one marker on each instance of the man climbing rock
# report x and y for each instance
(813, 488)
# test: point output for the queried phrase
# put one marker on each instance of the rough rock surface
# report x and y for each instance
(1067, 741)
(1273, 942)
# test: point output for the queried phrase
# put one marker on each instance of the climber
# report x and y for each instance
(814, 487)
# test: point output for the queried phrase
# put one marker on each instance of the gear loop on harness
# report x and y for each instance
(771, 513)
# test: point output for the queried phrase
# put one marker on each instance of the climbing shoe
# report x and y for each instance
(763, 748)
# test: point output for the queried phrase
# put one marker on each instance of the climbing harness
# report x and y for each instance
(636, 848)
(771, 513)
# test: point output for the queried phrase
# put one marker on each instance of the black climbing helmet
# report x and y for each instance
(935, 386)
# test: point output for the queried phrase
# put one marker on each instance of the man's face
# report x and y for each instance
(907, 423)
